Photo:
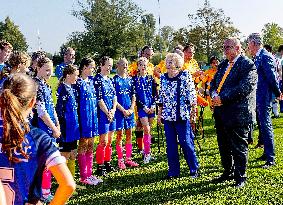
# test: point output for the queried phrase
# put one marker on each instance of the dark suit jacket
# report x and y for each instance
(267, 83)
(238, 93)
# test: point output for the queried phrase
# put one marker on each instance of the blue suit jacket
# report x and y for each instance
(267, 83)
(237, 93)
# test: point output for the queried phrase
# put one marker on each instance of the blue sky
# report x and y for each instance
(54, 21)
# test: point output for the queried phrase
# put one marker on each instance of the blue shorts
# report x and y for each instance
(104, 126)
(122, 122)
(142, 113)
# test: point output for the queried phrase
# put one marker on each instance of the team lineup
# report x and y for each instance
(40, 139)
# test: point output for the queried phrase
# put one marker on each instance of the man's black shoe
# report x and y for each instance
(262, 158)
(170, 177)
(223, 178)
(267, 165)
(194, 174)
(240, 184)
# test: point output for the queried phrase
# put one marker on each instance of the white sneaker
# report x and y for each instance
(90, 181)
(147, 158)
(94, 178)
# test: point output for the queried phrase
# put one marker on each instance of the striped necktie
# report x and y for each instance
(224, 77)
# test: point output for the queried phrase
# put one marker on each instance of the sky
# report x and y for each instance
(53, 20)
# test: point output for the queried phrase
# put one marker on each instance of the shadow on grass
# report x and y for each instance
(163, 192)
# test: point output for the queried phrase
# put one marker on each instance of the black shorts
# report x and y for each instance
(68, 146)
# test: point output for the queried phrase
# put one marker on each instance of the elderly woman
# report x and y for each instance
(177, 98)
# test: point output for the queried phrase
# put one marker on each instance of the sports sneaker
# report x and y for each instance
(90, 181)
(131, 163)
(95, 178)
(47, 198)
(101, 171)
(147, 158)
(108, 167)
(121, 164)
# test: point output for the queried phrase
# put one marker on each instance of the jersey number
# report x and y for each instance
(6, 176)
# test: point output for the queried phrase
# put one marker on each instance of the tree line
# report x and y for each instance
(119, 28)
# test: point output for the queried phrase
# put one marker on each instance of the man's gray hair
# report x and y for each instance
(255, 37)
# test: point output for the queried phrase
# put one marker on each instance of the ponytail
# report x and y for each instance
(18, 91)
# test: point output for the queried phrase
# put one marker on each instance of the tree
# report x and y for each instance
(113, 27)
(11, 33)
(148, 22)
(272, 34)
(209, 29)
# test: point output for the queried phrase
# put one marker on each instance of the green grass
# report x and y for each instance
(145, 185)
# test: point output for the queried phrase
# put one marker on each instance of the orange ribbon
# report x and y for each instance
(224, 77)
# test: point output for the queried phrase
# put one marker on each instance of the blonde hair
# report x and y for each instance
(177, 60)
(19, 57)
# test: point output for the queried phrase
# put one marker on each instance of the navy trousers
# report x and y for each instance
(182, 131)
(233, 149)
(266, 131)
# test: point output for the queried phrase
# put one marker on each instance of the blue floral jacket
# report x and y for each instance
(176, 96)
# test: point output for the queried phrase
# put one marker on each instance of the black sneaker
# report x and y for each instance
(101, 171)
(109, 167)
(194, 174)
(267, 165)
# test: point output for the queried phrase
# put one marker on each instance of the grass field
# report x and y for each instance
(145, 185)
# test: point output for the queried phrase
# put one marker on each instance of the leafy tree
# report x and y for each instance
(11, 32)
(112, 27)
(209, 29)
(272, 34)
(148, 22)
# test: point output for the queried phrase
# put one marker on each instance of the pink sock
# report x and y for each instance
(89, 162)
(129, 148)
(108, 153)
(82, 166)
(100, 152)
(146, 141)
(119, 150)
(46, 179)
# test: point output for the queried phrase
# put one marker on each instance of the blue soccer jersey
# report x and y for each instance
(22, 180)
(145, 90)
(67, 111)
(87, 107)
(59, 70)
(44, 105)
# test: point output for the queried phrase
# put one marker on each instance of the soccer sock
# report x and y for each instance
(139, 138)
(129, 148)
(72, 166)
(46, 179)
(146, 141)
(89, 163)
(108, 153)
(100, 152)
(82, 165)
(119, 150)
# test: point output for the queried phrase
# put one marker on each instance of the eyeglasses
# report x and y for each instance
(227, 47)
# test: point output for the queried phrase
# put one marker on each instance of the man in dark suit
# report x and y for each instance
(233, 92)
(266, 86)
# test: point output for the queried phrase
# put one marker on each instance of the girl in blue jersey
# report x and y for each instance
(107, 102)
(67, 110)
(18, 63)
(145, 88)
(87, 111)
(45, 116)
(124, 114)
(26, 151)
